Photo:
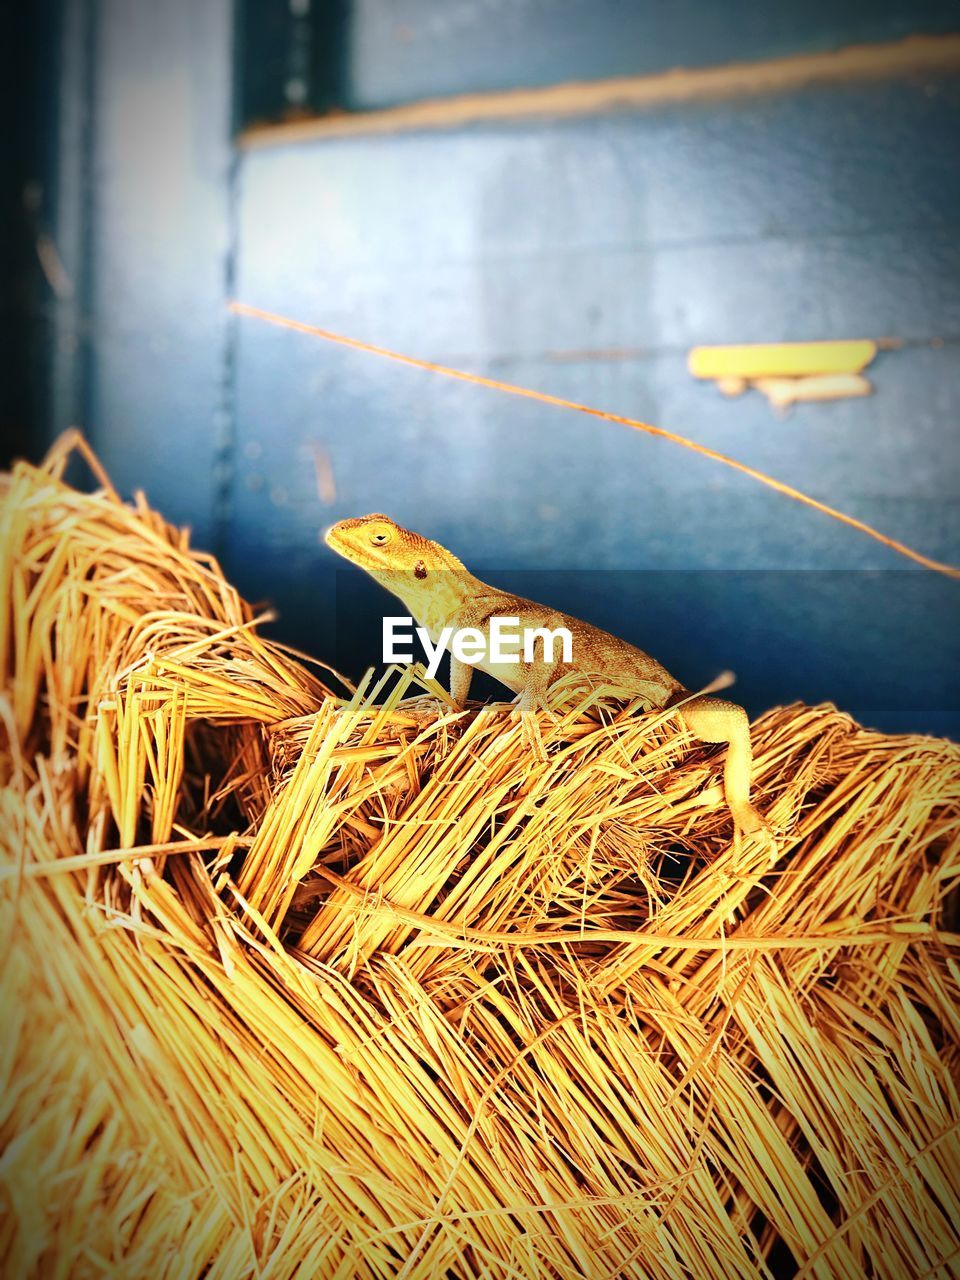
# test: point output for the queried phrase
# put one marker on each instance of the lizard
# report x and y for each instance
(440, 592)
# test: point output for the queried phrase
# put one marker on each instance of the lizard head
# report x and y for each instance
(377, 542)
(404, 562)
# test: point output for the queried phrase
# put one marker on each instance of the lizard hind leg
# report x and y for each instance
(716, 720)
(531, 703)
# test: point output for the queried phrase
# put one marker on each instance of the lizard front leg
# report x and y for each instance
(461, 674)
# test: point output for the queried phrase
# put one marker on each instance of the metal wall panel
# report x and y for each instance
(159, 243)
(584, 257)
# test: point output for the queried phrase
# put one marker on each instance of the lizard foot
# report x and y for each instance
(526, 711)
(750, 825)
(750, 820)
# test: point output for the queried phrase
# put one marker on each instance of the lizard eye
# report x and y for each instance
(380, 538)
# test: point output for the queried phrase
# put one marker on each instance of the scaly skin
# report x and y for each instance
(440, 592)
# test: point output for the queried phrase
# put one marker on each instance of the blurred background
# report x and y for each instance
(731, 173)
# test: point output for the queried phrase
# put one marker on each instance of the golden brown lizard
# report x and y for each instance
(441, 593)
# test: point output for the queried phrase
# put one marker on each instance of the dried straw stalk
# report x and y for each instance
(295, 986)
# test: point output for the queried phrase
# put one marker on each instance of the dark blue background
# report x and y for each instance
(580, 256)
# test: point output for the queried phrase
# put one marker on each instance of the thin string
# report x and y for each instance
(949, 570)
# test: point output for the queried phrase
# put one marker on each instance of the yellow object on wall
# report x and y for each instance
(781, 359)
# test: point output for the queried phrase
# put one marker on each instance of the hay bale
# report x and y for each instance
(296, 985)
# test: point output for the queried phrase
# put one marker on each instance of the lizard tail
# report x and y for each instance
(722, 681)
(716, 720)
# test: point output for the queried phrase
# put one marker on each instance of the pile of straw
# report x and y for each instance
(301, 985)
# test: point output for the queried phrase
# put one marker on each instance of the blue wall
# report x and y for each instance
(579, 256)
(363, 54)
(418, 48)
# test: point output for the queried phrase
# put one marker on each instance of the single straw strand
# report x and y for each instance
(510, 388)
